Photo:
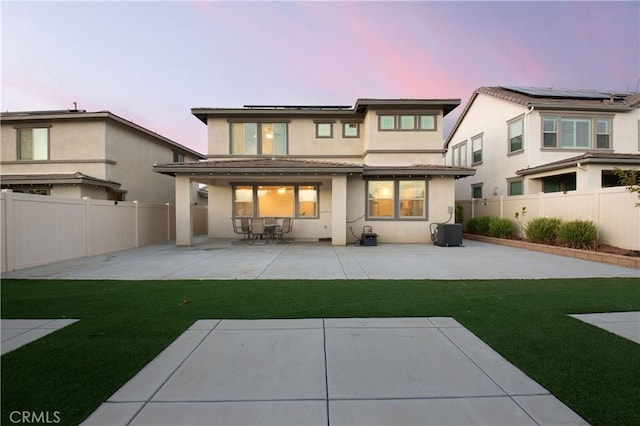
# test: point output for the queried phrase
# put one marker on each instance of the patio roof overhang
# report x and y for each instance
(57, 179)
(632, 160)
(418, 170)
(267, 166)
(278, 166)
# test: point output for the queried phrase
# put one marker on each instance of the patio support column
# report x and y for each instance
(339, 210)
(184, 219)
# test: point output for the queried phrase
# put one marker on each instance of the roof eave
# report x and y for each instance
(575, 162)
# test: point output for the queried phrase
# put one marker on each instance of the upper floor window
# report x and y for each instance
(416, 122)
(258, 138)
(459, 155)
(396, 199)
(324, 129)
(476, 146)
(177, 157)
(515, 136)
(350, 130)
(33, 144)
(576, 132)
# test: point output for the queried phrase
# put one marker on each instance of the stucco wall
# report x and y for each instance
(135, 154)
(74, 146)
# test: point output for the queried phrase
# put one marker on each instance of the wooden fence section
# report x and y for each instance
(612, 210)
(37, 230)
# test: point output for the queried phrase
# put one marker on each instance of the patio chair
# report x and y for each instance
(257, 230)
(243, 229)
(287, 226)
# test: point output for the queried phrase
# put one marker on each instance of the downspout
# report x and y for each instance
(525, 125)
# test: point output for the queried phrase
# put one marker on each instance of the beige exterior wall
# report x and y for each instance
(74, 145)
(135, 154)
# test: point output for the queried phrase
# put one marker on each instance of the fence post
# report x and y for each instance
(87, 226)
(8, 231)
(502, 207)
(136, 224)
(168, 221)
(596, 208)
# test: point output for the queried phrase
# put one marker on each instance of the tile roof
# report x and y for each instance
(586, 158)
(287, 165)
(56, 178)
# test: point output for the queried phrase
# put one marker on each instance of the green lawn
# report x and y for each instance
(125, 324)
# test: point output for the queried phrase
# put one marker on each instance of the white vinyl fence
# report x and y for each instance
(612, 210)
(37, 230)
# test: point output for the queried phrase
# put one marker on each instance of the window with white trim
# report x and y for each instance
(33, 144)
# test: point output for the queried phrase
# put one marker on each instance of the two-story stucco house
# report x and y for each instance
(333, 169)
(526, 140)
(74, 153)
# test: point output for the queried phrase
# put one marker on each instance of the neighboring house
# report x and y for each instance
(334, 169)
(77, 154)
(525, 140)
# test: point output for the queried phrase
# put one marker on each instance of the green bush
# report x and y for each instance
(501, 228)
(580, 234)
(543, 230)
(479, 225)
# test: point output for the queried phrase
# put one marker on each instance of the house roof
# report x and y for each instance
(289, 166)
(77, 178)
(586, 158)
(554, 99)
(50, 115)
(288, 111)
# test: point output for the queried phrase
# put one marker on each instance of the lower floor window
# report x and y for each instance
(299, 201)
(393, 199)
(515, 187)
(476, 190)
(559, 183)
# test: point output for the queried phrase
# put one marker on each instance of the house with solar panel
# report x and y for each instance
(526, 140)
(333, 170)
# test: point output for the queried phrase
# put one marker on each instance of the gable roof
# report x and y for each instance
(549, 98)
(51, 115)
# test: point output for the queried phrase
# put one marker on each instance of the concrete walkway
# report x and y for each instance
(18, 332)
(392, 371)
(623, 324)
(225, 259)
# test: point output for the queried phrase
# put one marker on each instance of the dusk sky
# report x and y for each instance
(151, 62)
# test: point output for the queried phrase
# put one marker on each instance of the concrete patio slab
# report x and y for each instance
(224, 259)
(624, 324)
(352, 371)
(19, 332)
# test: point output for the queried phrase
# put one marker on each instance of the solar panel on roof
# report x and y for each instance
(543, 92)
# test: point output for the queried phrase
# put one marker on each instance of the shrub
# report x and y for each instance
(479, 225)
(501, 228)
(543, 230)
(580, 234)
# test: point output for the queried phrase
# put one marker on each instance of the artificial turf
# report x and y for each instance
(125, 324)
